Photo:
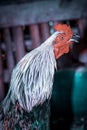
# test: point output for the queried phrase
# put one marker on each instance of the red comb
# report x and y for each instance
(63, 27)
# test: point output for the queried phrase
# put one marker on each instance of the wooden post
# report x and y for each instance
(2, 90)
(35, 36)
(19, 42)
(10, 59)
(45, 32)
(81, 26)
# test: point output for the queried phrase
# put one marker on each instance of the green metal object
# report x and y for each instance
(69, 96)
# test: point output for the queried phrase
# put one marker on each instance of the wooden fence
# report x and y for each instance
(24, 27)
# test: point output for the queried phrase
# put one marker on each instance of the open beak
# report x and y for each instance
(75, 38)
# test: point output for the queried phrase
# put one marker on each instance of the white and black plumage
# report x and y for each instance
(32, 78)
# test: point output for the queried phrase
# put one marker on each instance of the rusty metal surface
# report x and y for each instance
(41, 11)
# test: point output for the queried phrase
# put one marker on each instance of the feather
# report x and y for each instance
(32, 78)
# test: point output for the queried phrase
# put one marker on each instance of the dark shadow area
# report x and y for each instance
(61, 104)
(69, 100)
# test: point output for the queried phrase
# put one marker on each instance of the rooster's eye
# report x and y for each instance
(61, 38)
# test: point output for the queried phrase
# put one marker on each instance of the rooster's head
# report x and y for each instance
(64, 39)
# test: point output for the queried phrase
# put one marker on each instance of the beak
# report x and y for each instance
(75, 38)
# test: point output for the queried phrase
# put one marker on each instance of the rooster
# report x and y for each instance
(26, 105)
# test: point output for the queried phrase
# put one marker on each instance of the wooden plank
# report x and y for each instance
(19, 42)
(10, 58)
(5, 2)
(82, 24)
(45, 32)
(41, 11)
(35, 35)
(2, 90)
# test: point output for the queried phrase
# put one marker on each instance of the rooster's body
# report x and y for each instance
(26, 106)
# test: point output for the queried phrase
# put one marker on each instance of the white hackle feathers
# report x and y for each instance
(32, 78)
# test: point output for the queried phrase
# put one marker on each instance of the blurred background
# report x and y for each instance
(25, 24)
